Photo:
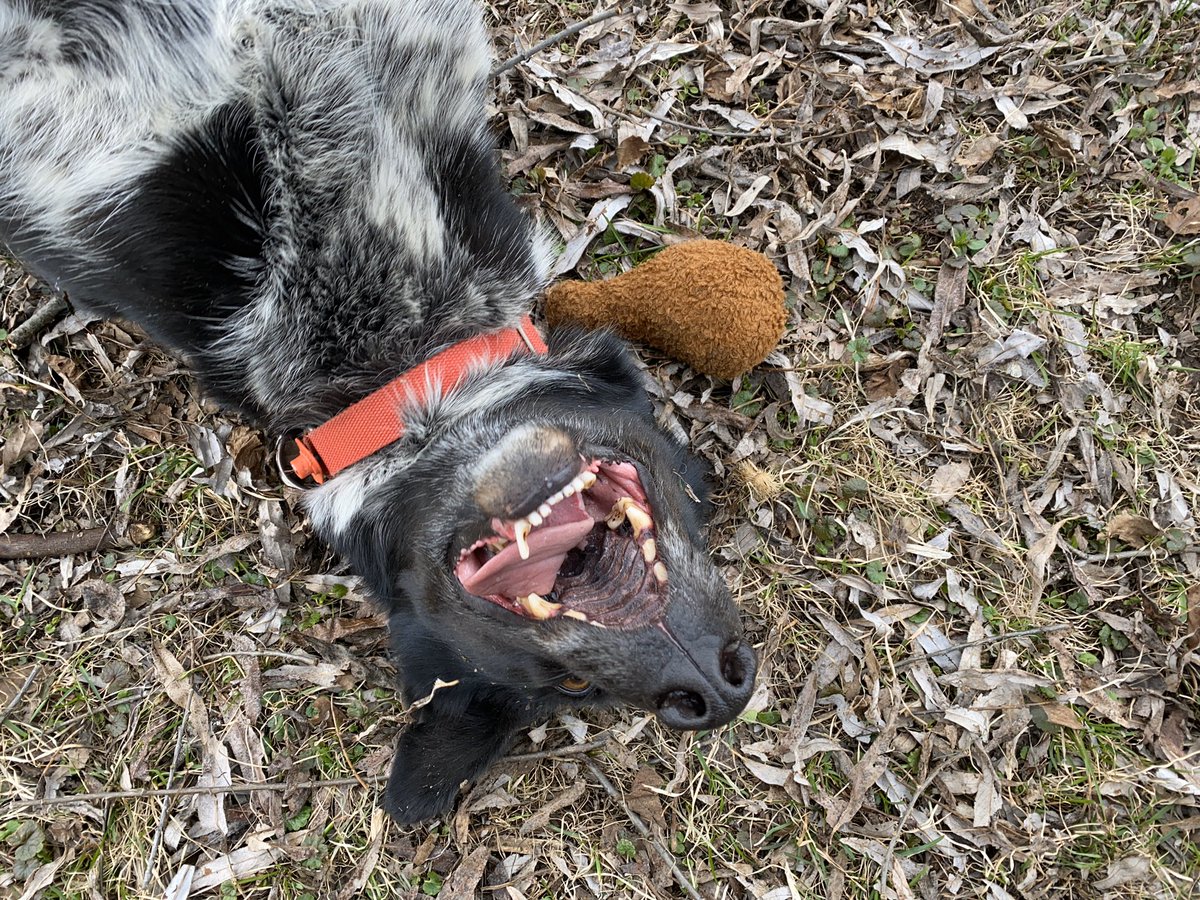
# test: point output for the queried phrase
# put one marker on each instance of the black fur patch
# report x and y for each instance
(186, 247)
(480, 214)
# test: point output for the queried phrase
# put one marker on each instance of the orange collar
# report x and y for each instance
(377, 420)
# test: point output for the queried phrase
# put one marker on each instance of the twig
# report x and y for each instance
(42, 316)
(12, 704)
(196, 789)
(982, 642)
(554, 39)
(69, 543)
(262, 654)
(574, 750)
(885, 865)
(1112, 555)
(680, 878)
(136, 694)
(688, 126)
(337, 732)
(166, 805)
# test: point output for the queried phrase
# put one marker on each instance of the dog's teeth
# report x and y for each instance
(569, 490)
(649, 550)
(539, 607)
(638, 518)
(660, 572)
(554, 498)
(535, 519)
(544, 510)
(576, 614)
(587, 479)
(521, 530)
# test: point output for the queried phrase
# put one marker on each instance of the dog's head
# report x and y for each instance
(546, 549)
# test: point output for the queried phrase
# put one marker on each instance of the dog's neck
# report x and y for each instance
(378, 419)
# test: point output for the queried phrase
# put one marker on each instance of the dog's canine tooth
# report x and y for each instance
(638, 518)
(521, 529)
(649, 550)
(539, 607)
(660, 572)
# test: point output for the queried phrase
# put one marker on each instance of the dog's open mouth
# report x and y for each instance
(587, 552)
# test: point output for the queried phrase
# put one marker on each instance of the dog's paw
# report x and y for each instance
(434, 758)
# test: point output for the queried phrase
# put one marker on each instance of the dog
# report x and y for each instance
(302, 198)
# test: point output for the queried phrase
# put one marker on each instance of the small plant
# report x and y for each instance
(1113, 639)
(626, 849)
(968, 227)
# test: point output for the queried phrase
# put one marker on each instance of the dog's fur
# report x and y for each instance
(301, 197)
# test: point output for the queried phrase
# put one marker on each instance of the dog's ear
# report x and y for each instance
(446, 746)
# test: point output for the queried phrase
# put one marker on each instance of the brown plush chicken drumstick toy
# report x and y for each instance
(717, 307)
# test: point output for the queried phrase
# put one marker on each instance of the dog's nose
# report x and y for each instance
(711, 691)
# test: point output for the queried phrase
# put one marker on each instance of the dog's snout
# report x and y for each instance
(711, 690)
(528, 464)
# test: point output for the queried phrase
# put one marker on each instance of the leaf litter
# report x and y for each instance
(958, 503)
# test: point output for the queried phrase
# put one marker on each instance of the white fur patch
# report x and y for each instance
(401, 197)
(334, 504)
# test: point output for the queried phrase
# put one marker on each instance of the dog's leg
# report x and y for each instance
(442, 750)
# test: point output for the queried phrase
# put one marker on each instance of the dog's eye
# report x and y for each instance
(575, 687)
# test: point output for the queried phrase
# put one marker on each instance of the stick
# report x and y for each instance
(42, 316)
(366, 781)
(982, 642)
(69, 543)
(574, 750)
(12, 704)
(194, 789)
(680, 878)
(166, 805)
(553, 39)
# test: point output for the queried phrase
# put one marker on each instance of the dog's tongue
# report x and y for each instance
(507, 574)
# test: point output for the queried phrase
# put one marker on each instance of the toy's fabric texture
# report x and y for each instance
(713, 305)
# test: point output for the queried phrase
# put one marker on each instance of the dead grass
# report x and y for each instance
(958, 506)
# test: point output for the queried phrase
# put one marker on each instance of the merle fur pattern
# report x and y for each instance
(301, 198)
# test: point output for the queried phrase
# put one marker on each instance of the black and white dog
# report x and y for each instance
(301, 197)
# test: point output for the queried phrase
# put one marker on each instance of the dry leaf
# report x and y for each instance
(644, 800)
(630, 152)
(463, 884)
(235, 866)
(1184, 218)
(1135, 530)
(775, 775)
(947, 479)
(978, 152)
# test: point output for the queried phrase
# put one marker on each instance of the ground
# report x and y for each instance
(958, 506)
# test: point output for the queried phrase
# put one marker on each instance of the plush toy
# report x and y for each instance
(717, 307)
